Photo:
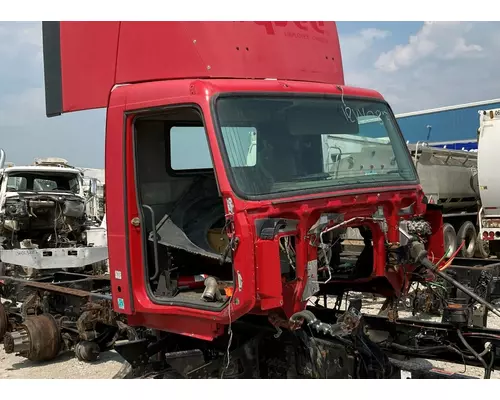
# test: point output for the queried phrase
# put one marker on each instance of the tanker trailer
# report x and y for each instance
(449, 178)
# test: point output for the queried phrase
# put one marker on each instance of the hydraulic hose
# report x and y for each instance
(316, 324)
(487, 373)
(426, 350)
(306, 315)
(487, 369)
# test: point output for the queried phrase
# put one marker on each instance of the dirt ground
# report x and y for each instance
(66, 366)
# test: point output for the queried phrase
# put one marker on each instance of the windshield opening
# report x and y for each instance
(30, 181)
(287, 144)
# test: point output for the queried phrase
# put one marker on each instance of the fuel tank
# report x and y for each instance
(448, 177)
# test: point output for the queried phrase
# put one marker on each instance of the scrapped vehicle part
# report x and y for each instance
(57, 258)
(60, 289)
(482, 248)
(87, 351)
(37, 339)
(46, 222)
(428, 300)
(80, 304)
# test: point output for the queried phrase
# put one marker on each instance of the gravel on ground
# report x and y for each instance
(66, 366)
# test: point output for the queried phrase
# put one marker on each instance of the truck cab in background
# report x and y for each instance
(43, 221)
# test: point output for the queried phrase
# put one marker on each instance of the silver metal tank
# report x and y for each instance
(448, 177)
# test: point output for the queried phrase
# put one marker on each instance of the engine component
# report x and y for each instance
(16, 208)
(419, 227)
(425, 301)
(17, 342)
(41, 203)
(87, 351)
(419, 254)
(456, 314)
(211, 292)
(37, 339)
(74, 208)
(346, 324)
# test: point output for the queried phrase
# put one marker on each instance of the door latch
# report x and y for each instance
(135, 221)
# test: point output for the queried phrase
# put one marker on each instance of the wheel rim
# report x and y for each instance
(470, 241)
(450, 241)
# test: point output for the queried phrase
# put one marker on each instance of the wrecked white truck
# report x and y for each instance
(44, 224)
(53, 262)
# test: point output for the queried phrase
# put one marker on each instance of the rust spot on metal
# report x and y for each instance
(37, 339)
(51, 287)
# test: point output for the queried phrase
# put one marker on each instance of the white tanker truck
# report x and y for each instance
(466, 184)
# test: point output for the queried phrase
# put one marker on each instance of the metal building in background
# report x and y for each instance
(453, 127)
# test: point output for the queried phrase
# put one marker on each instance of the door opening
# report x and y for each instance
(185, 243)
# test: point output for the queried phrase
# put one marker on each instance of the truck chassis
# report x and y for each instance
(63, 311)
(72, 311)
(370, 347)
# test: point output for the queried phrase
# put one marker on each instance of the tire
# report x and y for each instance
(468, 233)
(482, 248)
(450, 239)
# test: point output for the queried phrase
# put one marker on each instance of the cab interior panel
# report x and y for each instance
(180, 205)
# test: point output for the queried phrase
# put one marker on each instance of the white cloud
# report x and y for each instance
(435, 40)
(356, 44)
(444, 63)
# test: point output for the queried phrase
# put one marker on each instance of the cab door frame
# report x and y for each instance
(129, 291)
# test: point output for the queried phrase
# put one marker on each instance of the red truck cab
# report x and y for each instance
(234, 150)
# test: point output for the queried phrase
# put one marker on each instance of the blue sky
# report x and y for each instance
(401, 30)
(415, 65)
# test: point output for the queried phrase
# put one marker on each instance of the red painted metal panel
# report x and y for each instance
(118, 224)
(94, 56)
(88, 54)
(268, 268)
